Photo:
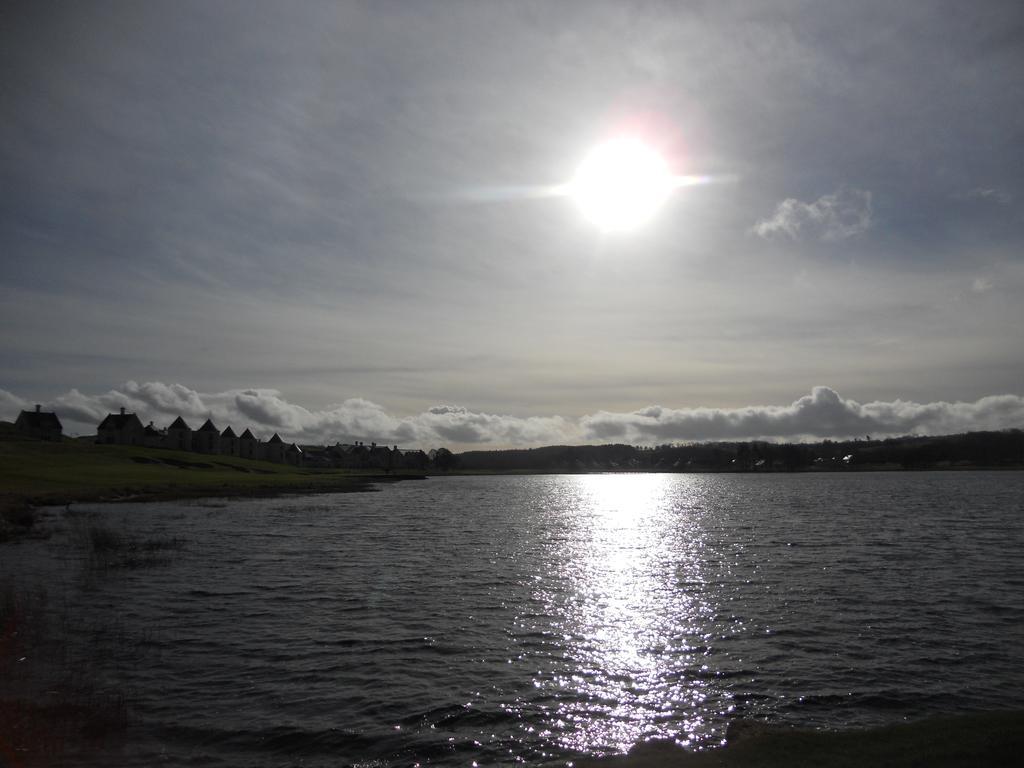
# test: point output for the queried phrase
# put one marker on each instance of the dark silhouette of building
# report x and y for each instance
(228, 442)
(120, 429)
(273, 450)
(206, 439)
(248, 446)
(153, 437)
(39, 423)
(179, 435)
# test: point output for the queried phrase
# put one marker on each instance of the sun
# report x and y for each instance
(621, 184)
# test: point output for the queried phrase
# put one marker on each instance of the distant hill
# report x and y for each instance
(997, 449)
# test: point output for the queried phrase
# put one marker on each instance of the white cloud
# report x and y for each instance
(1000, 196)
(823, 413)
(11, 405)
(266, 411)
(982, 285)
(460, 425)
(845, 213)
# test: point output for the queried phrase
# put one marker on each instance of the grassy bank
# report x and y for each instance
(989, 739)
(36, 473)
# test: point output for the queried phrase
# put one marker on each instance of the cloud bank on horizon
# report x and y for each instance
(823, 413)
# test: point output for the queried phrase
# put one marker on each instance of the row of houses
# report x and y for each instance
(126, 429)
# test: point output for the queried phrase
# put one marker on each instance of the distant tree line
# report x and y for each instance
(974, 449)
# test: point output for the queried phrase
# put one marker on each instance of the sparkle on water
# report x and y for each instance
(635, 637)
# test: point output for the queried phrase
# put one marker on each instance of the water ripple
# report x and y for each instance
(511, 619)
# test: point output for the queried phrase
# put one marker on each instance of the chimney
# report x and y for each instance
(38, 407)
(122, 410)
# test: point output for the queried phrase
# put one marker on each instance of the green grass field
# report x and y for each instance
(35, 473)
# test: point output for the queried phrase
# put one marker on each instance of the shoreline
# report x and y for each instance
(17, 510)
(860, 468)
(37, 473)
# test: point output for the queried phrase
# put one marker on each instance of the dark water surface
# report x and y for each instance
(533, 619)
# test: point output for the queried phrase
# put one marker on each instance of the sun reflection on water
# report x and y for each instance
(628, 595)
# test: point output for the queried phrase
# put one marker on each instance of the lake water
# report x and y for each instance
(504, 620)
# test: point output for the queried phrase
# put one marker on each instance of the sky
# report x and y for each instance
(333, 220)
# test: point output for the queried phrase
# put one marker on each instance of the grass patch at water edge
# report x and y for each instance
(37, 473)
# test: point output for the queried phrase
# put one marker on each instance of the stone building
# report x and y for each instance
(273, 450)
(228, 442)
(179, 436)
(248, 446)
(206, 439)
(120, 429)
(293, 455)
(39, 423)
(153, 437)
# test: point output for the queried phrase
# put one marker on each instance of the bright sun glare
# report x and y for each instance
(621, 184)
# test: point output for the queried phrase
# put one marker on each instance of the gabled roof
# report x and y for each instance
(179, 423)
(39, 420)
(293, 448)
(119, 421)
(247, 435)
(275, 440)
(151, 431)
(229, 432)
(208, 427)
